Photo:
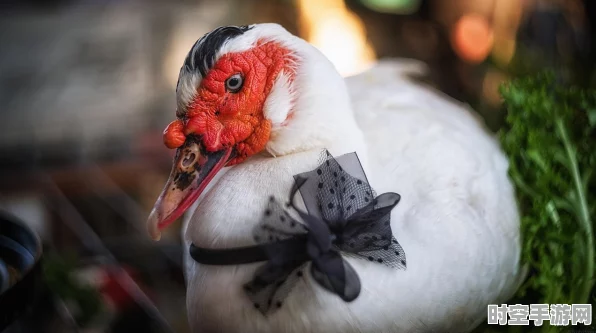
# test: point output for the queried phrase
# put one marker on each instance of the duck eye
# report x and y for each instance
(234, 83)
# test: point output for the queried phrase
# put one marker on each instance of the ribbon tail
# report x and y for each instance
(337, 275)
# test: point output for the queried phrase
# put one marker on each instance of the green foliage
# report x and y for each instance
(550, 137)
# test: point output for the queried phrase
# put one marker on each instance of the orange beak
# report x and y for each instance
(192, 171)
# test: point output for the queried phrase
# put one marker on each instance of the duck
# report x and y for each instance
(257, 105)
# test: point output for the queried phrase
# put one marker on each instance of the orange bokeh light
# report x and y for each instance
(472, 38)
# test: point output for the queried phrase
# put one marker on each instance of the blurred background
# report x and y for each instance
(87, 87)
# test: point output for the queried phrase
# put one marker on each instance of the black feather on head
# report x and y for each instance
(202, 55)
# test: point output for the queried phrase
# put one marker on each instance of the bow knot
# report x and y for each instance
(343, 216)
(315, 250)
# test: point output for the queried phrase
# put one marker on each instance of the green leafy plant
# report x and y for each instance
(550, 139)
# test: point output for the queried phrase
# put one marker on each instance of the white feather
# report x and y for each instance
(186, 90)
(279, 102)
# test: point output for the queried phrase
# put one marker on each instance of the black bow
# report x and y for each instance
(343, 215)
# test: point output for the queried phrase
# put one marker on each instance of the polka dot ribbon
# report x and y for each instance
(343, 217)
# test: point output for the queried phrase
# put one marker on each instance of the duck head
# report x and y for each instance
(243, 91)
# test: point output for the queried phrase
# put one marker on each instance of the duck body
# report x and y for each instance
(457, 220)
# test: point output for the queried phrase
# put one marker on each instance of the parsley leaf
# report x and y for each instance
(550, 140)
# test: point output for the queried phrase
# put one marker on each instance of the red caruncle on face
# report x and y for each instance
(224, 118)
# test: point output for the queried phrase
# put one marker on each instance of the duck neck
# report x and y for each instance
(322, 116)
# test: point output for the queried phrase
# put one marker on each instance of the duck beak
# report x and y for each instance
(192, 171)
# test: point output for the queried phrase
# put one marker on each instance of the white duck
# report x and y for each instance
(267, 102)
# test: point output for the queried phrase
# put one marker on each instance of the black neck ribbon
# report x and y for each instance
(343, 216)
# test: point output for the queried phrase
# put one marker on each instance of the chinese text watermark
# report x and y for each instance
(556, 314)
